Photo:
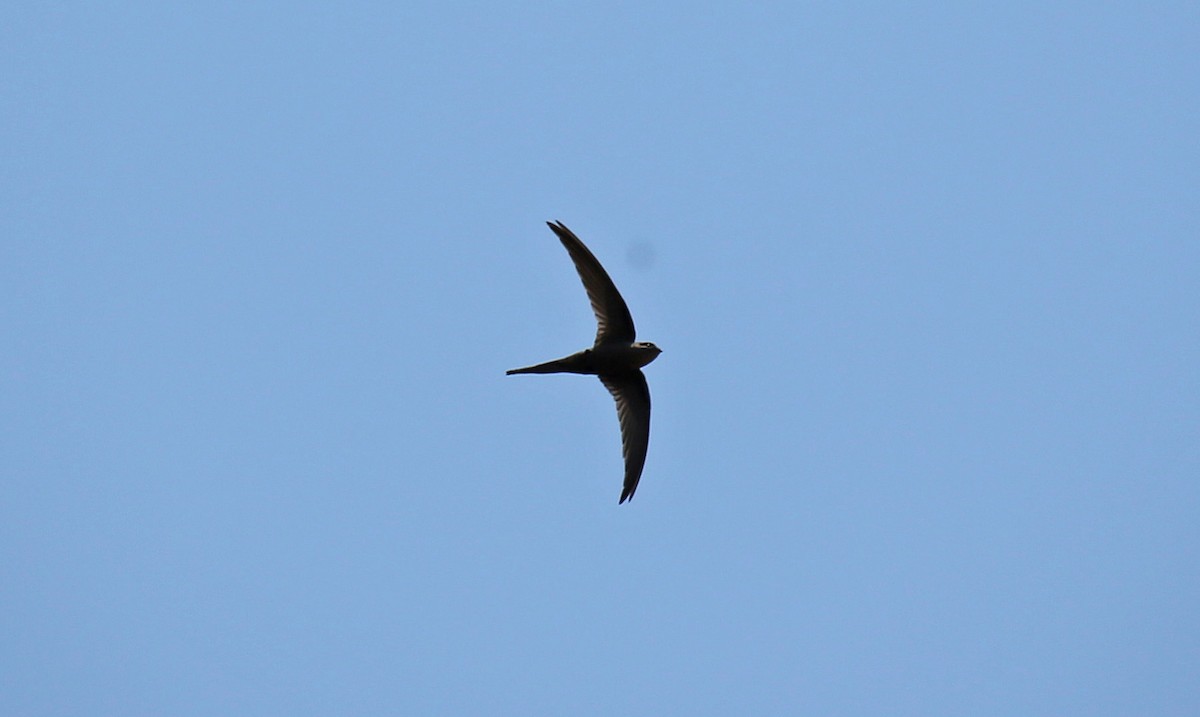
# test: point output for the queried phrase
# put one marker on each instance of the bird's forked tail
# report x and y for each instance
(575, 363)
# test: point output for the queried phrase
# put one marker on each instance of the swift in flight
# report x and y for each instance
(616, 357)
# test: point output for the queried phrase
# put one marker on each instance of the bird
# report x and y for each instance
(616, 357)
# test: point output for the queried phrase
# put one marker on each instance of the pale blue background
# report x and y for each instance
(927, 425)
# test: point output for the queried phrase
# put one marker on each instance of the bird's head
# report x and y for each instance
(648, 349)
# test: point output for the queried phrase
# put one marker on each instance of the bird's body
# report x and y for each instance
(605, 359)
(615, 357)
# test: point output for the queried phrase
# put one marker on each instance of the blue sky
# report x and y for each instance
(926, 430)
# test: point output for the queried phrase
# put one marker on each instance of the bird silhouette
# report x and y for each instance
(616, 357)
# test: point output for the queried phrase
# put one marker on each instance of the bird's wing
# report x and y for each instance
(613, 322)
(632, 395)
